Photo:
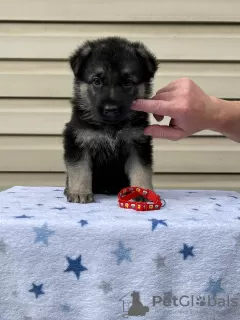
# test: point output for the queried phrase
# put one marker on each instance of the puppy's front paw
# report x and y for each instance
(140, 199)
(80, 197)
(65, 191)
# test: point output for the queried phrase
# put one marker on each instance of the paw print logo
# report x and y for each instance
(201, 301)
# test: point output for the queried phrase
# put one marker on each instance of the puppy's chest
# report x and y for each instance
(99, 141)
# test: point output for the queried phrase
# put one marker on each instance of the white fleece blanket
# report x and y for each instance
(63, 261)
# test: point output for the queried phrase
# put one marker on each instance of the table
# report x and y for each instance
(97, 261)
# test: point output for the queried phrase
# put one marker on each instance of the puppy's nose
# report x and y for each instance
(110, 110)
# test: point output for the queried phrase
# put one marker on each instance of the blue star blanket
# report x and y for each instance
(64, 261)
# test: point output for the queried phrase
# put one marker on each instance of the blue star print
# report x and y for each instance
(37, 290)
(42, 234)
(234, 197)
(186, 251)
(59, 208)
(214, 287)
(83, 222)
(23, 217)
(75, 266)
(155, 222)
(122, 253)
(65, 308)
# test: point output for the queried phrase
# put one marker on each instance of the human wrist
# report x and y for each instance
(219, 114)
(227, 118)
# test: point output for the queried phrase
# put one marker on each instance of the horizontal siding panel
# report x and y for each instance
(54, 79)
(197, 155)
(192, 155)
(33, 117)
(43, 117)
(168, 42)
(160, 181)
(127, 10)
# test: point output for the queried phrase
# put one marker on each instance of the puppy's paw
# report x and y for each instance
(80, 197)
(140, 199)
(65, 191)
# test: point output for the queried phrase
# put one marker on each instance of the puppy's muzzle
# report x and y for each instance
(113, 113)
(110, 110)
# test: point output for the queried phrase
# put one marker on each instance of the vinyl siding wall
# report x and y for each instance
(197, 39)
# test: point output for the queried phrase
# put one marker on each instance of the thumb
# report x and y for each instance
(165, 132)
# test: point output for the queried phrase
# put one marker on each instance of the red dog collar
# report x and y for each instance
(129, 193)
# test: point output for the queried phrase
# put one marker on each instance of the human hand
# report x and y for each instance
(191, 110)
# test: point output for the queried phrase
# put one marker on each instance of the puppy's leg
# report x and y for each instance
(79, 181)
(66, 186)
(139, 171)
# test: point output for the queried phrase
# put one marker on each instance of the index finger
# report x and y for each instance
(159, 107)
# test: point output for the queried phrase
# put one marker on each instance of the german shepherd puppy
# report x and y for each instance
(105, 148)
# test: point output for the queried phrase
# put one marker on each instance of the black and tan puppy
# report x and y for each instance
(105, 149)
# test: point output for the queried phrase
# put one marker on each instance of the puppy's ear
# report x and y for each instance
(78, 58)
(148, 59)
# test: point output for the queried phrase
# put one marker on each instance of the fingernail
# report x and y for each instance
(134, 102)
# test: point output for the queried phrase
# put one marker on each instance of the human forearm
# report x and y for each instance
(227, 118)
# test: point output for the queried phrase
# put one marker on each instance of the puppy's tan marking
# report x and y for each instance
(83, 88)
(141, 91)
(91, 138)
(79, 189)
(140, 175)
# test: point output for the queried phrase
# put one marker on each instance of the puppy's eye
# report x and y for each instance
(127, 82)
(97, 81)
